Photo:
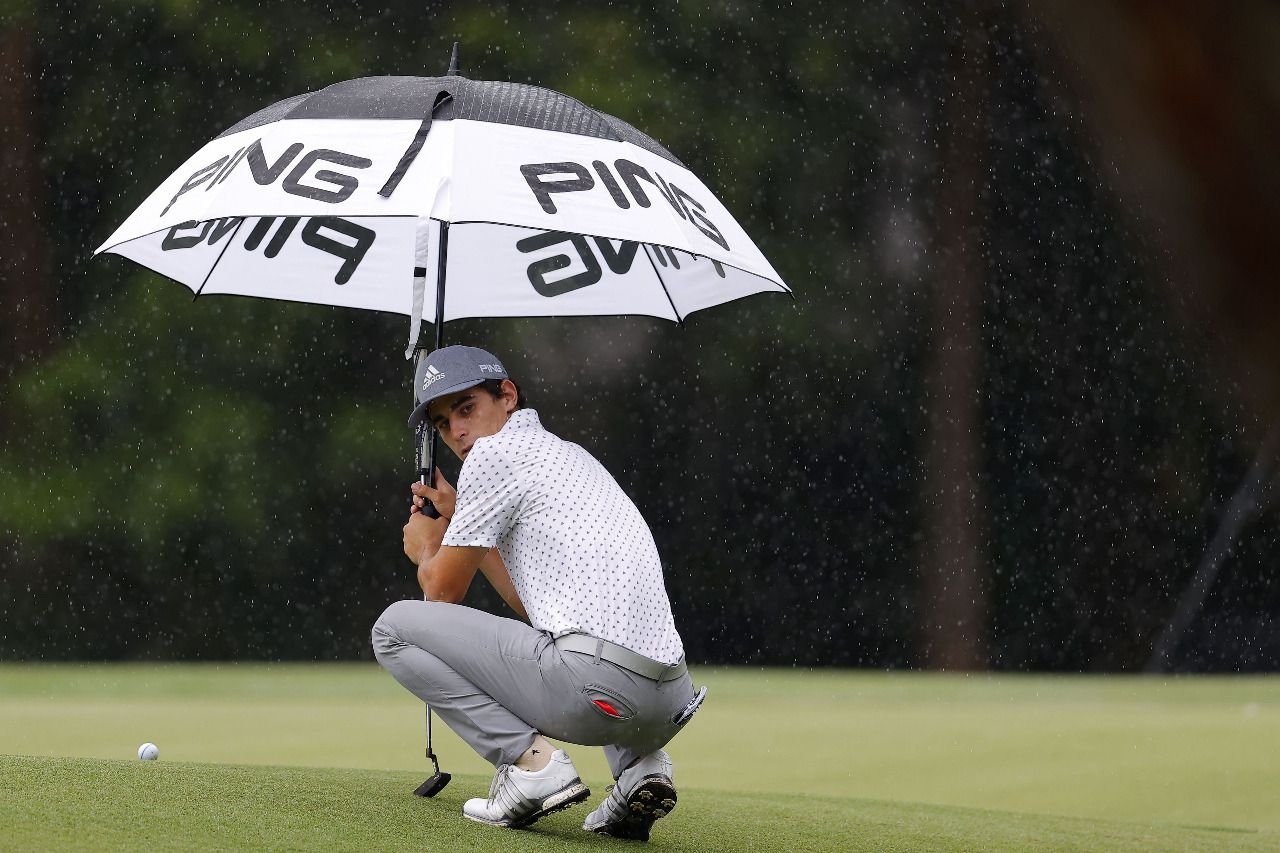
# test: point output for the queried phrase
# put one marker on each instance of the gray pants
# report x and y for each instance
(498, 683)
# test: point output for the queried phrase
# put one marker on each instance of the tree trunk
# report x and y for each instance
(1181, 104)
(953, 568)
(25, 323)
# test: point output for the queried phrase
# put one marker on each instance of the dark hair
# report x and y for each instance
(494, 387)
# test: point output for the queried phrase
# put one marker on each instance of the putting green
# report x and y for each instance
(97, 805)
(1201, 751)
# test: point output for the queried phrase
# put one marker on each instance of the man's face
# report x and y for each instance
(463, 417)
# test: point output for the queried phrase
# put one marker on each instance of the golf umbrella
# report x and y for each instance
(373, 193)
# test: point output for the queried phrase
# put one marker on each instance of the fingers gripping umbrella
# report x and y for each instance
(374, 193)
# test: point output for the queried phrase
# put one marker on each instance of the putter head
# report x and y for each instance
(434, 785)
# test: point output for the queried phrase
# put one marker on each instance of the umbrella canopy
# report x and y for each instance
(343, 195)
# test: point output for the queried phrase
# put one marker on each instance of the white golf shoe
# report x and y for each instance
(519, 797)
(643, 793)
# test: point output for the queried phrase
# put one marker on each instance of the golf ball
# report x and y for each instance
(148, 752)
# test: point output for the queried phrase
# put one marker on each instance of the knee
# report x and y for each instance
(386, 631)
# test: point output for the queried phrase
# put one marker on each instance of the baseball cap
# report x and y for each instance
(449, 370)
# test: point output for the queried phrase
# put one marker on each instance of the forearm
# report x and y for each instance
(429, 577)
(444, 572)
(430, 591)
(438, 588)
(446, 575)
(500, 579)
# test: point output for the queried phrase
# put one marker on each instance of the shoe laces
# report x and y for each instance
(498, 779)
(506, 795)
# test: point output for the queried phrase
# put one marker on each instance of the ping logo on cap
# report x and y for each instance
(491, 368)
(431, 377)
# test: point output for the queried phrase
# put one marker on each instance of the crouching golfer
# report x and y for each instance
(599, 661)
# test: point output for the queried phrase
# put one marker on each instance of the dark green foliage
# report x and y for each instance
(228, 478)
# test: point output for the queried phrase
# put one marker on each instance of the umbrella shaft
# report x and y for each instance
(426, 473)
(442, 259)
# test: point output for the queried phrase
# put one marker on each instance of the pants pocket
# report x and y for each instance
(608, 702)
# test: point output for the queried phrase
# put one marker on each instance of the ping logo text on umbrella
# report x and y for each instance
(265, 173)
(619, 260)
(544, 179)
(187, 235)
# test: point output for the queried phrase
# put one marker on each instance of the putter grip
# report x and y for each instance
(425, 475)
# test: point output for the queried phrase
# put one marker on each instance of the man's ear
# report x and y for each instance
(510, 394)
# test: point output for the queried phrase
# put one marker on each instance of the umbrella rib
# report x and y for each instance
(225, 246)
(665, 292)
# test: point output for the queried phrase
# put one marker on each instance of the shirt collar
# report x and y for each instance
(522, 419)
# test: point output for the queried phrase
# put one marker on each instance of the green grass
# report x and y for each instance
(326, 757)
(100, 805)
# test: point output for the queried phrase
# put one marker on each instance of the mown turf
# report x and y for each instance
(102, 805)
(1201, 751)
(779, 759)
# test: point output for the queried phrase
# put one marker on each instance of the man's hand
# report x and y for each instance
(444, 573)
(422, 536)
(443, 496)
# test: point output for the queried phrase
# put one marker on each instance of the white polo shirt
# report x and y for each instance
(578, 551)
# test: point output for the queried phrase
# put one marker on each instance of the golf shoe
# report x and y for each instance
(643, 793)
(519, 797)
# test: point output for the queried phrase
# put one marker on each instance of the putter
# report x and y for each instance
(426, 469)
(435, 784)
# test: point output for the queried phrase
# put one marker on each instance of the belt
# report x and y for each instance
(585, 644)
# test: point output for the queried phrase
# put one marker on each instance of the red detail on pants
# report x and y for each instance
(607, 708)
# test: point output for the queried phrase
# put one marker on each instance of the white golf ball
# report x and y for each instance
(148, 752)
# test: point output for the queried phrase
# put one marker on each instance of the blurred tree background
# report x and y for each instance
(998, 426)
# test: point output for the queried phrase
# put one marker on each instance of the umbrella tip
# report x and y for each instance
(453, 62)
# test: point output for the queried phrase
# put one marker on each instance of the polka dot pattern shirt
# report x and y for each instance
(579, 553)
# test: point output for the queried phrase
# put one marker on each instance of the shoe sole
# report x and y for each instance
(653, 798)
(559, 801)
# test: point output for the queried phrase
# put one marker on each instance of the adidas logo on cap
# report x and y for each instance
(431, 377)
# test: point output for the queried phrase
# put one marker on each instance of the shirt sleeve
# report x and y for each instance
(489, 495)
